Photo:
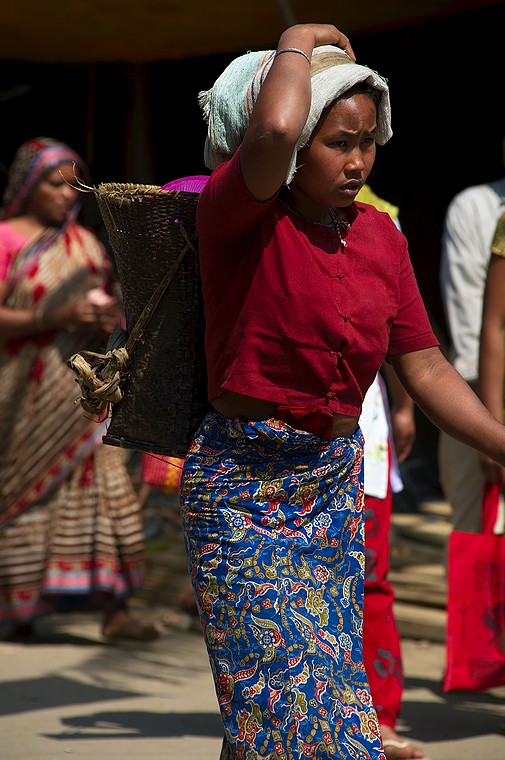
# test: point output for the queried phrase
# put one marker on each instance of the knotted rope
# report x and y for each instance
(101, 376)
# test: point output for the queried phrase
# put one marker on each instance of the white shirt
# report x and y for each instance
(375, 425)
(470, 223)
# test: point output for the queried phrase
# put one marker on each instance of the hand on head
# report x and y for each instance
(314, 35)
(269, 103)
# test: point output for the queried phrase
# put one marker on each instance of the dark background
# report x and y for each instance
(141, 123)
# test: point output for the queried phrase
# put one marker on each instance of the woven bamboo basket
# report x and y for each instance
(152, 233)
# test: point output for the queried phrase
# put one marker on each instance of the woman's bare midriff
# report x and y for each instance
(231, 405)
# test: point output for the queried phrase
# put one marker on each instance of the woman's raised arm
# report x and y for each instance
(282, 107)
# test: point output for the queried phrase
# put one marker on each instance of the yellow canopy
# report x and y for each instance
(82, 31)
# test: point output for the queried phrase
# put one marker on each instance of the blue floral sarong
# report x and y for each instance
(274, 532)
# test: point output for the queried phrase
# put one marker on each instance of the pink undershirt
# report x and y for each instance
(11, 242)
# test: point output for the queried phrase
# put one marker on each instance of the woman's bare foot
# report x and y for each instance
(119, 624)
(398, 748)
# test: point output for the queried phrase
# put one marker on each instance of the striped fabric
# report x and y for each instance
(84, 539)
(43, 430)
(70, 522)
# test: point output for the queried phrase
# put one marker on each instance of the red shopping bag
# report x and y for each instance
(475, 642)
(162, 472)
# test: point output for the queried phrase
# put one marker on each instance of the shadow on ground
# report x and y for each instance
(128, 724)
(452, 715)
(53, 691)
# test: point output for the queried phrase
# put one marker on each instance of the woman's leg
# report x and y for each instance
(381, 640)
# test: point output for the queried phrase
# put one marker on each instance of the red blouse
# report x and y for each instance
(292, 316)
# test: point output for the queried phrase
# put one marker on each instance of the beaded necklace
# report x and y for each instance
(338, 221)
(339, 224)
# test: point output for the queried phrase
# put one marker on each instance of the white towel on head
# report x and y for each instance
(227, 106)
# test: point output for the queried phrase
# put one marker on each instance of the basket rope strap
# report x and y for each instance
(156, 297)
(100, 375)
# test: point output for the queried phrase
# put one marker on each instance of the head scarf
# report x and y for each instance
(228, 105)
(31, 162)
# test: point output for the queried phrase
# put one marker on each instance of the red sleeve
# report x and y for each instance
(411, 330)
(226, 209)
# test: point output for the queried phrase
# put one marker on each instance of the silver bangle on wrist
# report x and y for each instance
(292, 50)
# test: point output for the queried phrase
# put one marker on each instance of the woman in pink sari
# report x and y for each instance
(70, 524)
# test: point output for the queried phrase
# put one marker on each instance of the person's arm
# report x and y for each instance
(492, 354)
(76, 314)
(449, 402)
(463, 269)
(282, 107)
(403, 426)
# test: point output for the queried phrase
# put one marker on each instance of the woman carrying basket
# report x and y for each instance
(306, 293)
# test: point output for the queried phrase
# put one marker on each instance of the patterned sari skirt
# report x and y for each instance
(273, 522)
(84, 538)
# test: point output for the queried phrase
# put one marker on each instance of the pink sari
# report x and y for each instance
(69, 518)
(44, 433)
